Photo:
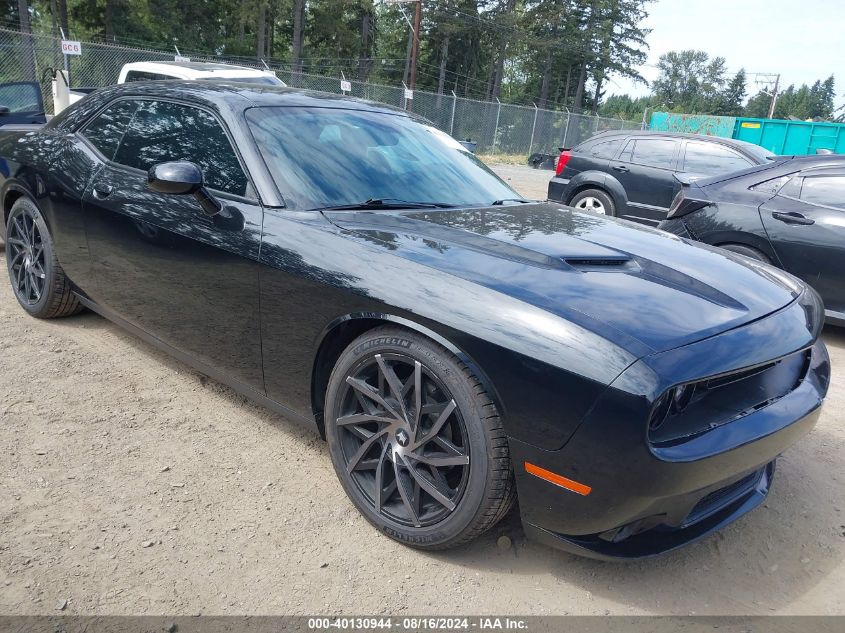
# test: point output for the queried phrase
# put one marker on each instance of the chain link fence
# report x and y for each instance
(494, 126)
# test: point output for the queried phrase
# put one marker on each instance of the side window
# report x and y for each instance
(654, 152)
(607, 149)
(712, 159)
(163, 131)
(140, 75)
(772, 186)
(826, 190)
(107, 128)
(21, 97)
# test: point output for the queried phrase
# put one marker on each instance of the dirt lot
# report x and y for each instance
(131, 484)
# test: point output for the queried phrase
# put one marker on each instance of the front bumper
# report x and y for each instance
(645, 500)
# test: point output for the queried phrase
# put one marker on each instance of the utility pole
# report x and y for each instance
(765, 81)
(774, 97)
(415, 49)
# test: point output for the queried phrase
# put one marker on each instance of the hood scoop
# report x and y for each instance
(620, 263)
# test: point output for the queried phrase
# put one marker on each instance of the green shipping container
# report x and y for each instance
(791, 137)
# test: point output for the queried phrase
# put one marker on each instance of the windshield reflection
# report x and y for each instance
(323, 157)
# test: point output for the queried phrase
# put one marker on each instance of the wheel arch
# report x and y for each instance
(11, 192)
(339, 333)
(758, 243)
(601, 181)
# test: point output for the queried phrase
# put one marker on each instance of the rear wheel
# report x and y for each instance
(748, 251)
(416, 440)
(594, 200)
(37, 278)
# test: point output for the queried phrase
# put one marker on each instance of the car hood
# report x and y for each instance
(645, 289)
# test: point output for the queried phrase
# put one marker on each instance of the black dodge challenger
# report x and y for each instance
(456, 345)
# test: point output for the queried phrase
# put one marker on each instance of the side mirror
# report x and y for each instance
(4, 110)
(177, 178)
(180, 178)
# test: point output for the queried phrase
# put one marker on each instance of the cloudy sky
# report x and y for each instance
(803, 40)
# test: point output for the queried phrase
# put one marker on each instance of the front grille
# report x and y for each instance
(723, 496)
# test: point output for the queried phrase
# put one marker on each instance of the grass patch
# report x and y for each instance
(503, 159)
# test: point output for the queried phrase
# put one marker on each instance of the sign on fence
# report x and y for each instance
(71, 47)
(409, 94)
(345, 86)
(181, 58)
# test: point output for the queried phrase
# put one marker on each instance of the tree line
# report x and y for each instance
(555, 53)
(552, 53)
(691, 82)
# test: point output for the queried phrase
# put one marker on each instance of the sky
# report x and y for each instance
(803, 40)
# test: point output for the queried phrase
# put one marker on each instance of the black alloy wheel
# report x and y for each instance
(38, 280)
(27, 267)
(403, 439)
(416, 441)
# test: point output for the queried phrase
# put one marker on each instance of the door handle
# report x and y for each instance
(792, 217)
(102, 191)
(621, 168)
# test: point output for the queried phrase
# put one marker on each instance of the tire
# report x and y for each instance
(748, 251)
(38, 281)
(439, 505)
(594, 200)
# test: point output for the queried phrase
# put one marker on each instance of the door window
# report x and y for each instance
(21, 98)
(162, 131)
(826, 190)
(106, 129)
(653, 152)
(712, 159)
(607, 149)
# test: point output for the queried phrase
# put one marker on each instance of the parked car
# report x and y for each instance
(21, 103)
(790, 214)
(360, 272)
(630, 174)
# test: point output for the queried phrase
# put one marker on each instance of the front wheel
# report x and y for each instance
(416, 441)
(37, 278)
(594, 200)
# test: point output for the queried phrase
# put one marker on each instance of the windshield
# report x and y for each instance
(326, 157)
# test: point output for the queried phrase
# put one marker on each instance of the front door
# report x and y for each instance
(806, 227)
(157, 260)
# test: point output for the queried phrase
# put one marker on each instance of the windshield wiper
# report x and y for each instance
(498, 203)
(387, 203)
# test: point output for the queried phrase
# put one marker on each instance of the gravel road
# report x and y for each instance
(131, 484)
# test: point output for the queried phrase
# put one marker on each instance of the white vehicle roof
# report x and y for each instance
(197, 70)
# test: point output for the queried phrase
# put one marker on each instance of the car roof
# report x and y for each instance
(217, 95)
(694, 137)
(209, 66)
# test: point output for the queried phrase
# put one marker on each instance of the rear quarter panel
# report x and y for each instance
(731, 223)
(52, 168)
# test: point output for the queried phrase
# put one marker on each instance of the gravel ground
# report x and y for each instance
(131, 484)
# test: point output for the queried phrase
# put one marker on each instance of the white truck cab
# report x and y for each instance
(63, 96)
(147, 71)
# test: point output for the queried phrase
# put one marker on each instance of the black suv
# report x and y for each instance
(631, 173)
